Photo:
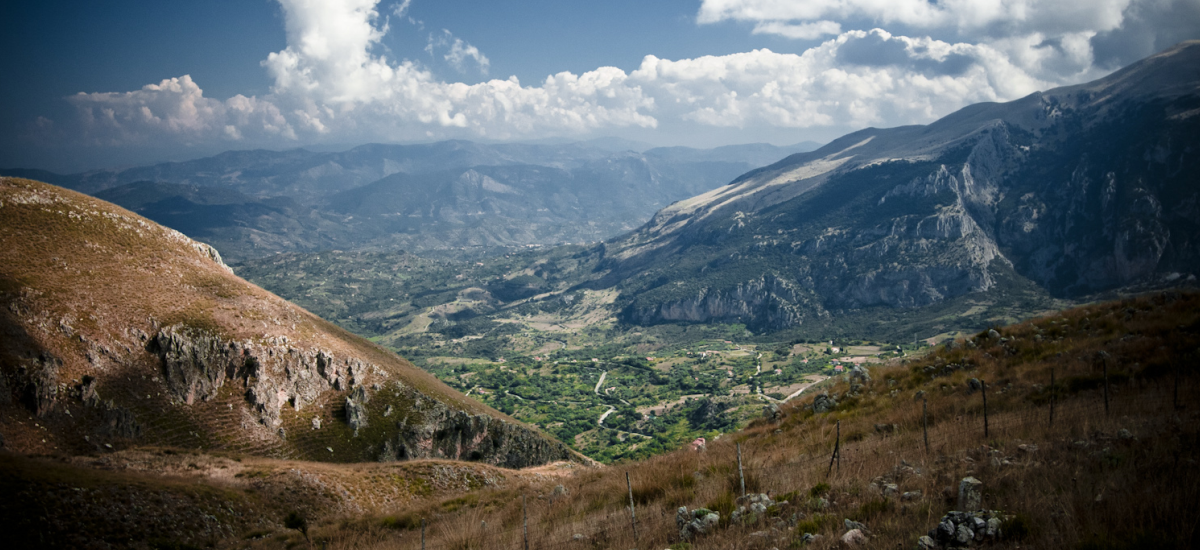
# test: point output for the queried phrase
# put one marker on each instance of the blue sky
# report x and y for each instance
(107, 83)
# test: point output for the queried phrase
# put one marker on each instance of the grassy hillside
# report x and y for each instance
(88, 290)
(1115, 475)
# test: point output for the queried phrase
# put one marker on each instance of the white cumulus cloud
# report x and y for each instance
(1055, 40)
(332, 84)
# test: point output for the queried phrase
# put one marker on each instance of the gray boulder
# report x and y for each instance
(963, 535)
(824, 403)
(970, 494)
(854, 525)
(974, 385)
(854, 537)
(356, 408)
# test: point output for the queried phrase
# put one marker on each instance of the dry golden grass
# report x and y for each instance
(1084, 486)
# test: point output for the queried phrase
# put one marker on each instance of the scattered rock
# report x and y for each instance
(316, 423)
(859, 377)
(700, 521)
(973, 385)
(911, 496)
(559, 490)
(960, 529)
(823, 403)
(855, 526)
(970, 494)
(810, 538)
(1027, 448)
(771, 412)
(1124, 434)
(919, 395)
(891, 490)
(993, 334)
(885, 428)
(963, 535)
(752, 507)
(854, 537)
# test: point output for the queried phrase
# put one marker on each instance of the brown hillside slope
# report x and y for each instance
(115, 331)
(1090, 480)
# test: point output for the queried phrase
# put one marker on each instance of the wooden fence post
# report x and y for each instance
(1052, 395)
(925, 420)
(741, 475)
(632, 513)
(837, 446)
(983, 385)
(1175, 400)
(524, 522)
(1105, 361)
(422, 533)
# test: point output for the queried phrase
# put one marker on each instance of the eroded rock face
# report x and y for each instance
(433, 430)
(196, 364)
(273, 375)
(37, 383)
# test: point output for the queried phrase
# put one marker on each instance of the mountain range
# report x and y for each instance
(1076, 190)
(446, 196)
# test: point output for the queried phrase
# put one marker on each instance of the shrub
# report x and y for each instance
(296, 520)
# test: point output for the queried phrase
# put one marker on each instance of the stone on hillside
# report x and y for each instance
(963, 535)
(854, 537)
(911, 495)
(854, 525)
(926, 543)
(810, 538)
(974, 385)
(698, 522)
(771, 412)
(993, 334)
(859, 377)
(1124, 434)
(356, 408)
(970, 494)
(992, 530)
(316, 423)
(823, 403)
(891, 490)
(944, 532)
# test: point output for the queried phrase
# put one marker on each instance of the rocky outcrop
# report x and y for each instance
(824, 403)
(272, 375)
(37, 383)
(963, 529)
(433, 430)
(767, 303)
(196, 364)
(700, 521)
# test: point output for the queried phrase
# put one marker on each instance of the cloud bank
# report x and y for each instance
(331, 85)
